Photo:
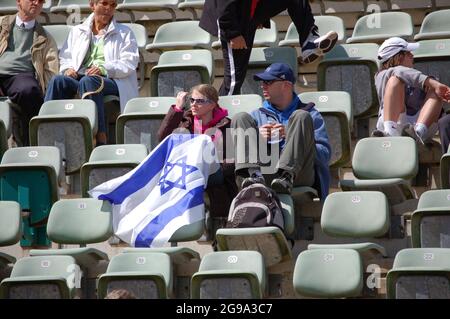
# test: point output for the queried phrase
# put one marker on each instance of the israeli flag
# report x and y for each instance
(163, 193)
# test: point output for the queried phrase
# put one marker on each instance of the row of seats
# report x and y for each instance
(320, 271)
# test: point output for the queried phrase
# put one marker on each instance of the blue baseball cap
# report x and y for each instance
(276, 71)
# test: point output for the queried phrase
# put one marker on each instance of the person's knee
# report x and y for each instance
(88, 83)
(27, 90)
(240, 117)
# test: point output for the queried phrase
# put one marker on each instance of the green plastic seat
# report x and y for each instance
(141, 119)
(179, 255)
(181, 70)
(191, 6)
(377, 27)
(69, 125)
(140, 32)
(445, 170)
(31, 177)
(110, 161)
(324, 23)
(8, 7)
(269, 241)
(336, 110)
(5, 126)
(352, 68)
(59, 32)
(266, 37)
(384, 164)
(230, 275)
(129, 6)
(167, 37)
(420, 273)
(240, 103)
(10, 229)
(67, 7)
(148, 275)
(328, 273)
(435, 25)
(260, 59)
(79, 221)
(46, 277)
(430, 222)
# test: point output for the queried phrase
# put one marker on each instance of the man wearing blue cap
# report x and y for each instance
(286, 124)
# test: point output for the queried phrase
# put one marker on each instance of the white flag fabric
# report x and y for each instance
(163, 193)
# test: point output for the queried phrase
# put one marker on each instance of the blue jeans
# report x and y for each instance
(64, 87)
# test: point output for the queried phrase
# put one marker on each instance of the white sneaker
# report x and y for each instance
(316, 46)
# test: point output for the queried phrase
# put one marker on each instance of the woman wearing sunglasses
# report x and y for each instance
(198, 112)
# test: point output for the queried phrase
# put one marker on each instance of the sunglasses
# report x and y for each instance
(199, 101)
(271, 82)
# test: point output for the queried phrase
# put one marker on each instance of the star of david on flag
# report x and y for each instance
(163, 193)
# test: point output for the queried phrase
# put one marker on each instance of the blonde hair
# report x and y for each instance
(207, 90)
(394, 61)
(120, 294)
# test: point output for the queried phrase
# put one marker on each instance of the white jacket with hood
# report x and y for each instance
(120, 50)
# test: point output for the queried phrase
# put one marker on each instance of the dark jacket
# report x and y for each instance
(221, 187)
(233, 15)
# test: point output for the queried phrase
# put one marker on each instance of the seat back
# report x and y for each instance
(435, 25)
(346, 68)
(385, 157)
(118, 152)
(59, 33)
(355, 214)
(336, 110)
(223, 275)
(69, 125)
(261, 58)
(80, 221)
(141, 120)
(377, 27)
(140, 32)
(240, 103)
(181, 70)
(5, 126)
(266, 37)
(10, 223)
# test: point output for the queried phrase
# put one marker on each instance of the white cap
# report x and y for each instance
(392, 46)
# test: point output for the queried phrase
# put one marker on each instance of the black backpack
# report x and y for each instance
(255, 206)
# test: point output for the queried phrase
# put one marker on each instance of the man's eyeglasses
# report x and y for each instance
(271, 82)
(199, 101)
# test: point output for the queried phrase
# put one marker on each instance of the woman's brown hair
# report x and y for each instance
(207, 90)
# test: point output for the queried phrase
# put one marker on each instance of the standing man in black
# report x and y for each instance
(236, 21)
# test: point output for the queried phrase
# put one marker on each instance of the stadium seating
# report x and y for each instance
(445, 170)
(59, 32)
(324, 23)
(80, 221)
(430, 222)
(5, 126)
(378, 27)
(260, 58)
(129, 6)
(181, 70)
(191, 5)
(352, 68)
(141, 119)
(69, 125)
(230, 275)
(110, 161)
(68, 7)
(10, 7)
(10, 229)
(240, 103)
(167, 37)
(336, 270)
(336, 110)
(435, 25)
(266, 37)
(148, 275)
(31, 176)
(141, 38)
(44, 277)
(420, 273)
(386, 164)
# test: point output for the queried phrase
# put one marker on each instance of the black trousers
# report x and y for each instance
(24, 90)
(236, 61)
(444, 132)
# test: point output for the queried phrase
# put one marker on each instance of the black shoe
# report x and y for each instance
(377, 133)
(408, 130)
(284, 183)
(253, 179)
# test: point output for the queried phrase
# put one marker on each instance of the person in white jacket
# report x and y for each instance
(98, 51)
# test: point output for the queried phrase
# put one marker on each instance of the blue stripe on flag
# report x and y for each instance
(191, 199)
(151, 167)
